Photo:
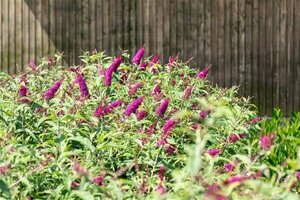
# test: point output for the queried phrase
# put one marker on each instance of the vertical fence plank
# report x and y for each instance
(51, 34)
(5, 41)
(65, 32)
(152, 30)
(85, 32)
(207, 31)
(173, 26)
(119, 25)
(276, 64)
(268, 56)
(200, 33)
(38, 30)
(255, 51)
(25, 34)
(290, 57)
(194, 31)
(234, 43)
(99, 27)
(221, 46)
(179, 28)
(18, 35)
(132, 26)
(159, 29)
(227, 40)
(126, 25)
(92, 25)
(296, 65)
(12, 37)
(146, 34)
(139, 23)
(112, 27)
(214, 42)
(241, 45)
(283, 58)
(45, 29)
(78, 23)
(71, 33)
(248, 46)
(166, 30)
(262, 53)
(186, 34)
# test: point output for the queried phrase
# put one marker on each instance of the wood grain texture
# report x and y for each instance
(251, 43)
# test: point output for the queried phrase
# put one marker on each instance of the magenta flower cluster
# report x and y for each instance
(266, 141)
(168, 126)
(51, 92)
(203, 73)
(23, 91)
(132, 108)
(138, 56)
(214, 152)
(84, 91)
(141, 115)
(160, 111)
(112, 68)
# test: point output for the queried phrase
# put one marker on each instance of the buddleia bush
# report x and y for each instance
(122, 128)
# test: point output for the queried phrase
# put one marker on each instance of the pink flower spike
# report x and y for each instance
(214, 152)
(235, 137)
(161, 189)
(98, 180)
(187, 93)
(162, 142)
(161, 109)
(84, 91)
(51, 92)
(160, 173)
(229, 167)
(138, 56)
(141, 115)
(255, 120)
(143, 66)
(298, 175)
(154, 70)
(75, 184)
(134, 88)
(112, 68)
(235, 179)
(156, 90)
(202, 114)
(173, 82)
(171, 61)
(113, 105)
(204, 72)
(266, 141)
(100, 112)
(168, 127)
(23, 91)
(170, 149)
(132, 108)
(32, 65)
(154, 60)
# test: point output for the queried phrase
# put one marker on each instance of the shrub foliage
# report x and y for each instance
(116, 128)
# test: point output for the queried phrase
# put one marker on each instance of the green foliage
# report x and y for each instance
(54, 149)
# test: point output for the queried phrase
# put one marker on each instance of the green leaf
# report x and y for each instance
(84, 141)
(82, 194)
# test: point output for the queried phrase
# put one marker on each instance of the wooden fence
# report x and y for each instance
(251, 43)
